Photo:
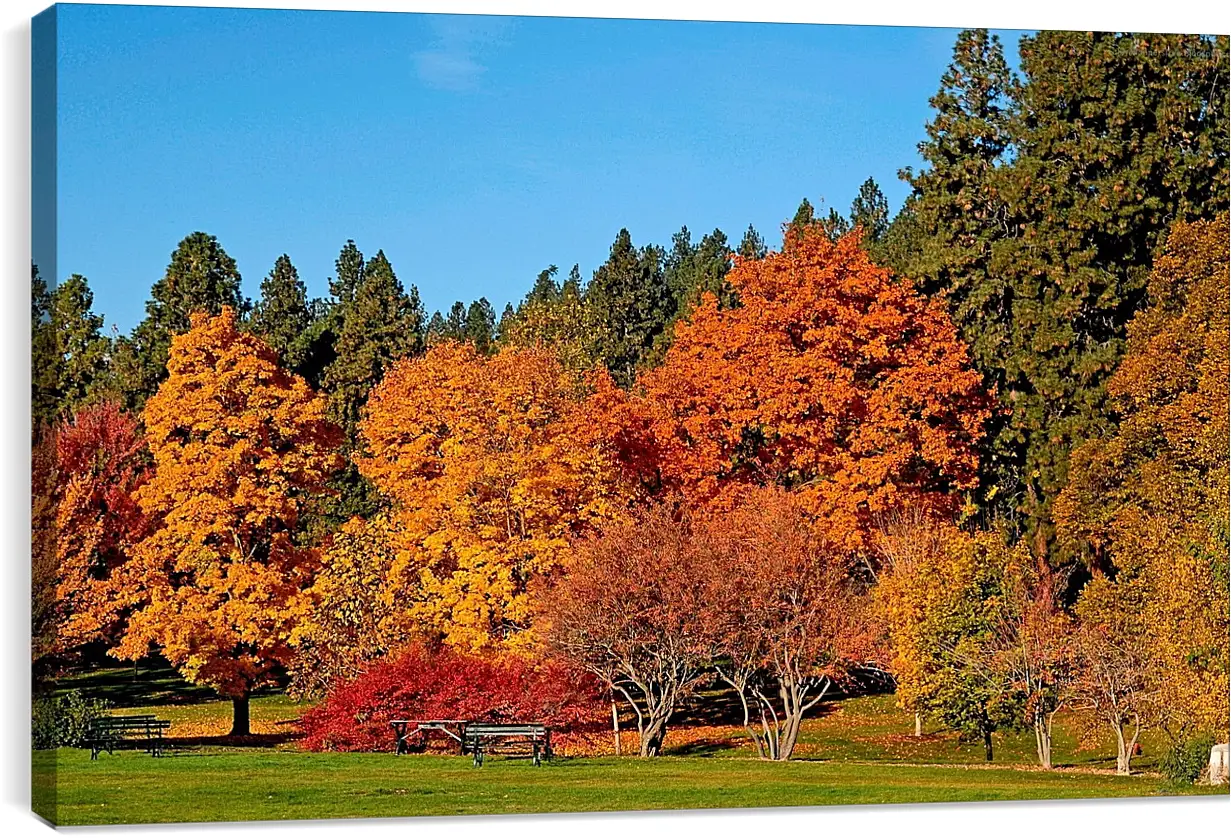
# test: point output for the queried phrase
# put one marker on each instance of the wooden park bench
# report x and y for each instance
(105, 733)
(481, 739)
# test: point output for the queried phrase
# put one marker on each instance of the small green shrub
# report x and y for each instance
(62, 721)
(1186, 759)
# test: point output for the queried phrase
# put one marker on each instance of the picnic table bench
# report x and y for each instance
(105, 733)
(475, 738)
(481, 739)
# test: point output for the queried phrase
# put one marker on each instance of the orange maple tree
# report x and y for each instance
(833, 378)
(238, 444)
(491, 469)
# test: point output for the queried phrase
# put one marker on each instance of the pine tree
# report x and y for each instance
(1116, 137)
(318, 340)
(943, 238)
(835, 225)
(455, 323)
(752, 246)
(44, 363)
(82, 351)
(379, 326)
(281, 317)
(571, 288)
(349, 276)
(804, 216)
(481, 325)
(545, 289)
(630, 305)
(870, 210)
(437, 329)
(201, 277)
(507, 318)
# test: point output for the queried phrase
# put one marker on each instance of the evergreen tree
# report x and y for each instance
(81, 349)
(455, 323)
(437, 329)
(1115, 138)
(507, 318)
(379, 326)
(44, 364)
(200, 277)
(870, 209)
(317, 342)
(835, 224)
(804, 216)
(281, 318)
(630, 305)
(902, 240)
(752, 246)
(691, 270)
(349, 276)
(943, 238)
(481, 325)
(571, 288)
(545, 289)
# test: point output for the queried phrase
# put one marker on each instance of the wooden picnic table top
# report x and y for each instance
(429, 721)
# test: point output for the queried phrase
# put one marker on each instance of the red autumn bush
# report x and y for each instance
(423, 683)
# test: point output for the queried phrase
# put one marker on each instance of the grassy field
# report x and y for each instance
(858, 750)
(271, 785)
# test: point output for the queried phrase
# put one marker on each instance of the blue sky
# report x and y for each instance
(474, 150)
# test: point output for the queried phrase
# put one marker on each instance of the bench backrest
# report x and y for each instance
(506, 730)
(128, 722)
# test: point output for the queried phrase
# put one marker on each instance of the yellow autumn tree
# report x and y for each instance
(238, 445)
(355, 610)
(491, 468)
(1147, 506)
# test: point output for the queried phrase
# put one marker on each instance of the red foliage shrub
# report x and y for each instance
(422, 683)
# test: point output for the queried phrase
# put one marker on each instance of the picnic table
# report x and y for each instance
(453, 728)
(104, 733)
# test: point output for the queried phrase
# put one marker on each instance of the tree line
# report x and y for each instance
(947, 446)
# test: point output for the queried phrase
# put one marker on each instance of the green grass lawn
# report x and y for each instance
(268, 785)
(857, 750)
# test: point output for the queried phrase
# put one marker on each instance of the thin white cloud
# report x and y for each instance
(451, 61)
(448, 70)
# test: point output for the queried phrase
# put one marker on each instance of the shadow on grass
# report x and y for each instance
(701, 748)
(151, 681)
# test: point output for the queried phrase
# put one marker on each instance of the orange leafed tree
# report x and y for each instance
(833, 378)
(238, 445)
(491, 470)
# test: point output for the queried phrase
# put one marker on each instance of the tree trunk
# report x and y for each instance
(1042, 740)
(1123, 755)
(652, 738)
(615, 726)
(240, 721)
(918, 723)
(987, 745)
